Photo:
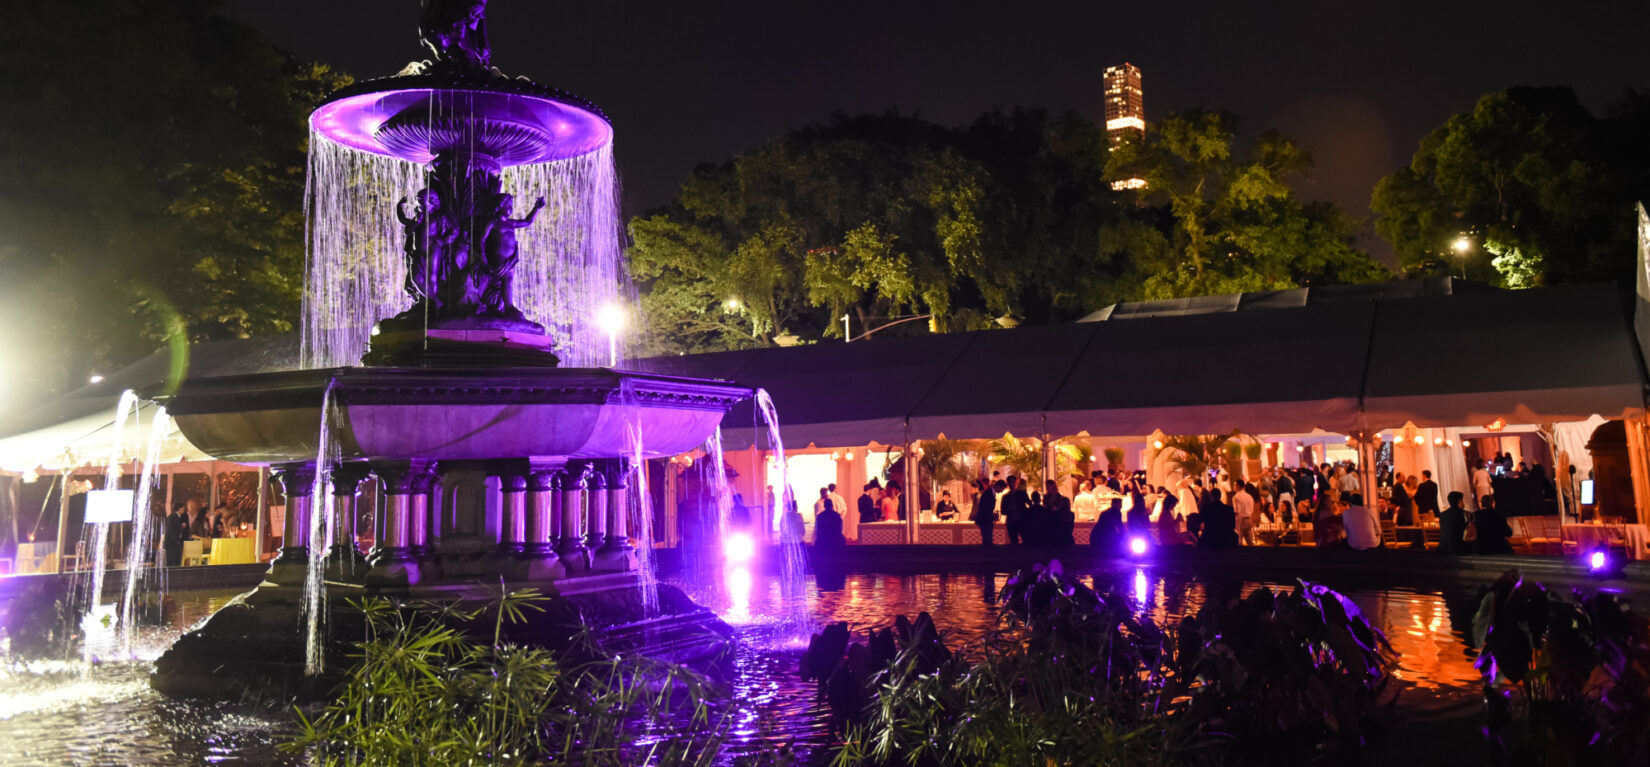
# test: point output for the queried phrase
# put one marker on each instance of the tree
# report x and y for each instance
(878, 217)
(1541, 191)
(1225, 222)
(151, 179)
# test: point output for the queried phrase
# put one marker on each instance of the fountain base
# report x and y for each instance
(254, 646)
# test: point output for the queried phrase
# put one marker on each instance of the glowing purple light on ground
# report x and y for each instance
(1137, 546)
(739, 548)
(1597, 561)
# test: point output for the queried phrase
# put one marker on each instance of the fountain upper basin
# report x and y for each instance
(446, 414)
(414, 118)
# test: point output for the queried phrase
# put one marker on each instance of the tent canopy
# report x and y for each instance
(1362, 357)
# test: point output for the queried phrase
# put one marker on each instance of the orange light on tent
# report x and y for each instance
(1497, 424)
(1300, 448)
(1466, 442)
(1157, 444)
(1419, 440)
(848, 456)
(1438, 441)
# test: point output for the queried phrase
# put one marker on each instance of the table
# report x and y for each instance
(1589, 537)
(233, 551)
(37, 557)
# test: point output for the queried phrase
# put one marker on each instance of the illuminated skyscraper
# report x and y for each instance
(1125, 112)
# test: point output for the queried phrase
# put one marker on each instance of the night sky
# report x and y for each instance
(684, 83)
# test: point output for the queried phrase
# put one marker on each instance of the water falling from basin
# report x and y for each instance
(321, 531)
(125, 409)
(793, 550)
(570, 258)
(142, 545)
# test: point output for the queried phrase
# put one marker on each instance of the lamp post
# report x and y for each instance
(611, 319)
(1462, 246)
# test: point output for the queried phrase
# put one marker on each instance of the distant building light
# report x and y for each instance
(1128, 183)
(1119, 123)
(95, 379)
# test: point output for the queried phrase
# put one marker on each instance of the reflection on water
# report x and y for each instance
(66, 713)
(1435, 664)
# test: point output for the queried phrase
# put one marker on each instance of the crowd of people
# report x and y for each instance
(1212, 510)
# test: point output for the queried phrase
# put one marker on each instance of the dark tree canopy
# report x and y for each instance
(881, 217)
(1541, 190)
(151, 179)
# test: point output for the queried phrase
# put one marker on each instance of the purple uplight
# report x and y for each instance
(527, 128)
(1597, 561)
(739, 548)
(1137, 546)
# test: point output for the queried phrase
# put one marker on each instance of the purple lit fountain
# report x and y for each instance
(463, 230)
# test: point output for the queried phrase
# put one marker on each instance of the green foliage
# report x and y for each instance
(151, 178)
(1580, 665)
(1531, 170)
(878, 217)
(947, 460)
(1079, 677)
(1196, 454)
(1114, 458)
(425, 691)
(1025, 457)
(1227, 223)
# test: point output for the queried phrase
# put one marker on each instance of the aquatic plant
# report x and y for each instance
(1580, 667)
(428, 688)
(1078, 676)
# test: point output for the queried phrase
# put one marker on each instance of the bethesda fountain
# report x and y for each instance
(489, 461)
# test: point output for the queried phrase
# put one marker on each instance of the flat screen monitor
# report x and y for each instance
(105, 506)
(1586, 492)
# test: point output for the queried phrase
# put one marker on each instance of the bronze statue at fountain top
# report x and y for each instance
(455, 31)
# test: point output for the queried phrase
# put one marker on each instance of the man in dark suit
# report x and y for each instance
(1426, 495)
(868, 511)
(1015, 504)
(1452, 527)
(174, 534)
(1219, 524)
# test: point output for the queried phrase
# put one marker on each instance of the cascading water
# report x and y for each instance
(792, 547)
(321, 532)
(124, 409)
(571, 260)
(142, 545)
(640, 502)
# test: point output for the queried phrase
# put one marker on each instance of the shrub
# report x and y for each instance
(1566, 676)
(424, 691)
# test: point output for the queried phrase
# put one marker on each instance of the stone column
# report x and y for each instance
(418, 515)
(538, 555)
(393, 563)
(297, 485)
(616, 553)
(344, 560)
(513, 527)
(575, 558)
(428, 498)
(596, 505)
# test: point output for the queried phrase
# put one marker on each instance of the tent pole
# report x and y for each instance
(63, 514)
(263, 511)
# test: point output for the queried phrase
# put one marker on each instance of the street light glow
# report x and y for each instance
(610, 318)
(1462, 245)
(731, 304)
